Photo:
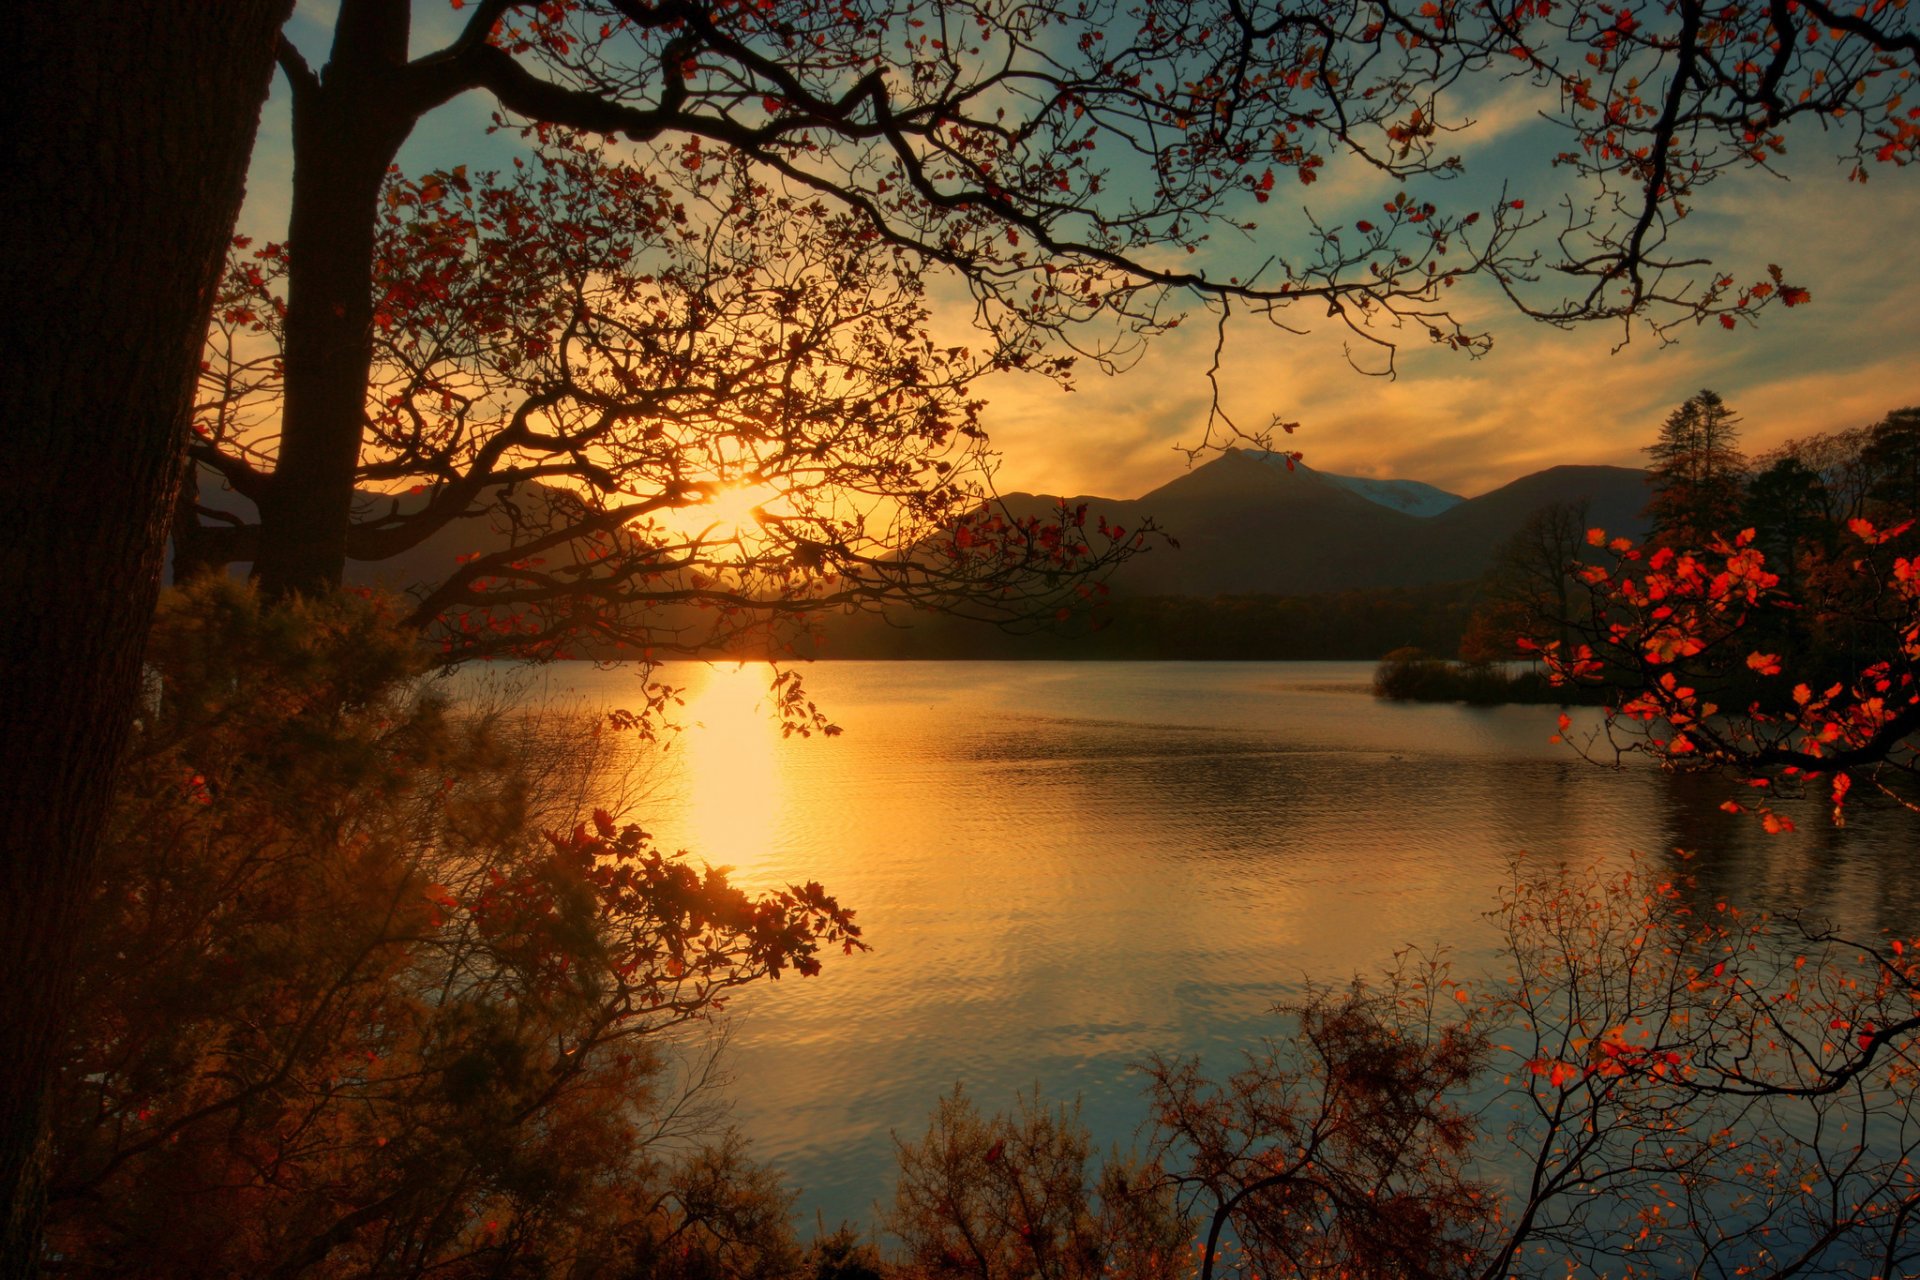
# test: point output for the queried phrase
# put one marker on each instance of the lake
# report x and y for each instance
(1063, 867)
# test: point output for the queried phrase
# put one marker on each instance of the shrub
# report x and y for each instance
(348, 1008)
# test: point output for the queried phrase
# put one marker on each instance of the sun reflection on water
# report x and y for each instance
(1065, 867)
(734, 791)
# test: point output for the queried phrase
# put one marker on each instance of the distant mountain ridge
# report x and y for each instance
(1247, 525)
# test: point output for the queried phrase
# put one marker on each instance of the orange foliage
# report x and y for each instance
(1671, 633)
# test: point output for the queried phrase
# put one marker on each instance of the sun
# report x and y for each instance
(730, 511)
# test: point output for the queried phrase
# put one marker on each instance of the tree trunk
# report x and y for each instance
(129, 128)
(306, 510)
(347, 127)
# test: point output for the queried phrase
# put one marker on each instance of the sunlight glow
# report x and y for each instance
(733, 511)
(734, 799)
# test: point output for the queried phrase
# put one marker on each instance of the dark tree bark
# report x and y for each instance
(347, 128)
(129, 129)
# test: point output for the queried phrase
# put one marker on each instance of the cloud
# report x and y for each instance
(1544, 396)
(1112, 435)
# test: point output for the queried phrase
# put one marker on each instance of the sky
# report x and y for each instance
(1540, 397)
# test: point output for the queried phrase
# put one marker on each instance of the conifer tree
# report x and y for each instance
(1697, 473)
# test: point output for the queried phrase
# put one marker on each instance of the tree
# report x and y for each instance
(1697, 474)
(1790, 512)
(1892, 457)
(800, 109)
(126, 150)
(1702, 1087)
(1339, 1148)
(1047, 155)
(363, 995)
(1010, 1196)
(1671, 638)
(737, 378)
(1836, 458)
(1785, 652)
(1528, 590)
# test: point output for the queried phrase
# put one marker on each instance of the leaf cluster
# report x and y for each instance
(1792, 666)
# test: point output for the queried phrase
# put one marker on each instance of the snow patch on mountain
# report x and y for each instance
(1415, 497)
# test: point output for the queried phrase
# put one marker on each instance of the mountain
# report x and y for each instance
(1467, 536)
(1615, 498)
(1245, 524)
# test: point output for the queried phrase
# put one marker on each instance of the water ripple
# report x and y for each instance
(1066, 867)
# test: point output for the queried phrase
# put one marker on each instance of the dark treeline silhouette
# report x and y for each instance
(1337, 625)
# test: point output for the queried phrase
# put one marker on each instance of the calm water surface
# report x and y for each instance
(1065, 866)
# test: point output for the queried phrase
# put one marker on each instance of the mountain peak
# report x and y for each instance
(1235, 474)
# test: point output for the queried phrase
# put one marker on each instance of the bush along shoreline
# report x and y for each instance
(1413, 675)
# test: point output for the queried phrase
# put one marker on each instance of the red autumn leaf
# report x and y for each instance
(1556, 1072)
